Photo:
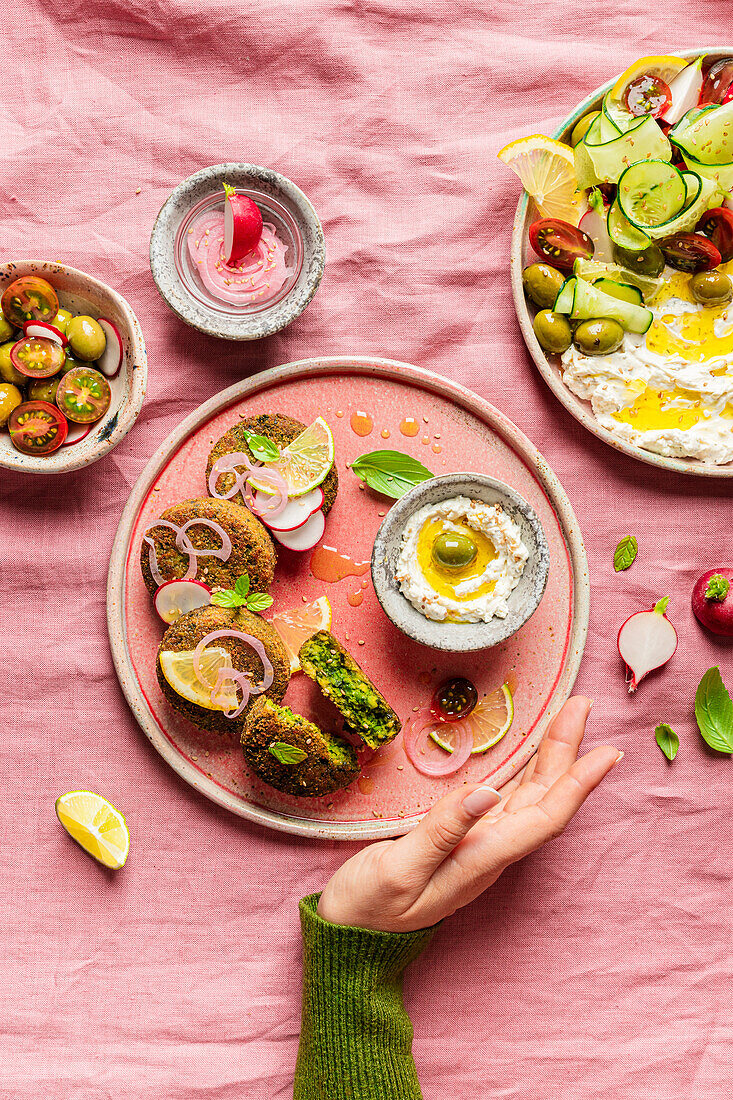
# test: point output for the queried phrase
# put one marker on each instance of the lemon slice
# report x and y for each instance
(665, 66)
(298, 624)
(179, 672)
(305, 462)
(96, 825)
(547, 171)
(491, 719)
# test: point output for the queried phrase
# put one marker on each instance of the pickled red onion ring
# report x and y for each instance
(418, 731)
(241, 680)
(247, 687)
(153, 553)
(184, 544)
(229, 463)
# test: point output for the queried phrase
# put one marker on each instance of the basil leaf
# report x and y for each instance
(667, 740)
(259, 601)
(286, 754)
(390, 472)
(227, 598)
(625, 553)
(718, 587)
(714, 711)
(241, 585)
(661, 605)
(263, 449)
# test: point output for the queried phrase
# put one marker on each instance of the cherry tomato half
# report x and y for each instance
(560, 243)
(454, 699)
(37, 428)
(648, 95)
(37, 357)
(718, 84)
(83, 395)
(29, 299)
(717, 224)
(690, 252)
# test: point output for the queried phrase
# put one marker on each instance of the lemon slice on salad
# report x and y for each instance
(179, 672)
(665, 66)
(96, 826)
(298, 624)
(491, 719)
(547, 171)
(305, 462)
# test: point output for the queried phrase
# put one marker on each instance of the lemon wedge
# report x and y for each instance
(491, 719)
(305, 462)
(298, 624)
(96, 826)
(547, 170)
(665, 66)
(179, 672)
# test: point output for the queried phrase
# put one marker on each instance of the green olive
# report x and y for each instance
(70, 362)
(61, 320)
(86, 338)
(649, 262)
(553, 331)
(598, 337)
(44, 389)
(8, 373)
(581, 128)
(7, 332)
(711, 288)
(10, 398)
(452, 550)
(542, 284)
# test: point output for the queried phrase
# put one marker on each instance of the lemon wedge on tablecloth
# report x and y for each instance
(297, 624)
(547, 170)
(96, 825)
(179, 672)
(491, 719)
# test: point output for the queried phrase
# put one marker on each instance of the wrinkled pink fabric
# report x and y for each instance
(599, 968)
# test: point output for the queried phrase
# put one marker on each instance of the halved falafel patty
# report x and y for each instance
(185, 634)
(281, 430)
(367, 712)
(329, 763)
(253, 551)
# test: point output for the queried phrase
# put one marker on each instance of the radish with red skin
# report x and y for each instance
(242, 225)
(176, 598)
(110, 360)
(305, 537)
(595, 223)
(76, 433)
(646, 641)
(295, 513)
(50, 332)
(712, 601)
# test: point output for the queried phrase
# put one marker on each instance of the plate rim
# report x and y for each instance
(328, 365)
(578, 408)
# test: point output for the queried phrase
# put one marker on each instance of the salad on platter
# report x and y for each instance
(633, 277)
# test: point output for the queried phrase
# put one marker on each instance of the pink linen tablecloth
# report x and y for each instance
(599, 968)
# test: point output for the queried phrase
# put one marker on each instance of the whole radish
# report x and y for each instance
(712, 601)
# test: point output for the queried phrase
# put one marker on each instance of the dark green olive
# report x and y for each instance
(542, 284)
(711, 288)
(598, 337)
(44, 389)
(553, 331)
(452, 550)
(649, 262)
(581, 128)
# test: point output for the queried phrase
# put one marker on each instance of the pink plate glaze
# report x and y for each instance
(457, 431)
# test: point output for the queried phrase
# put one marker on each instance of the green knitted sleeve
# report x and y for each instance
(356, 1038)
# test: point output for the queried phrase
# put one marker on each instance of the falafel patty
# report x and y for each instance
(329, 764)
(185, 634)
(340, 678)
(281, 430)
(253, 550)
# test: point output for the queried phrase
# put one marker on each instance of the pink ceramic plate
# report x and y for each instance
(455, 430)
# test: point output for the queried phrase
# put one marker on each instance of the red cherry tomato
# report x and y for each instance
(717, 224)
(560, 243)
(690, 252)
(37, 357)
(37, 428)
(648, 95)
(29, 299)
(454, 699)
(83, 395)
(718, 84)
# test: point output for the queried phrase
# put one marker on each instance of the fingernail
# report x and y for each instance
(590, 705)
(619, 757)
(480, 801)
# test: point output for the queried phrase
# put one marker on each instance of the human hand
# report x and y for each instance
(469, 837)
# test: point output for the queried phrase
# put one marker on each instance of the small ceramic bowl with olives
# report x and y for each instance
(73, 368)
(459, 637)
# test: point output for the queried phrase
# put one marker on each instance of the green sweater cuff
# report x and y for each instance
(356, 1037)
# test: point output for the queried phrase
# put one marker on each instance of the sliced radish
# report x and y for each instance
(646, 641)
(176, 598)
(43, 330)
(76, 433)
(110, 360)
(305, 537)
(294, 514)
(685, 91)
(242, 225)
(594, 224)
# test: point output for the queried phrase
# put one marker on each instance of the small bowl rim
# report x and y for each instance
(398, 516)
(63, 460)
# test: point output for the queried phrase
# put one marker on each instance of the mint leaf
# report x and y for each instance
(625, 553)
(240, 596)
(259, 601)
(667, 740)
(263, 449)
(661, 605)
(391, 473)
(286, 754)
(241, 585)
(717, 588)
(227, 598)
(714, 711)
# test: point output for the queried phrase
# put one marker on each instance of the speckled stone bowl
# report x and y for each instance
(459, 637)
(262, 184)
(82, 293)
